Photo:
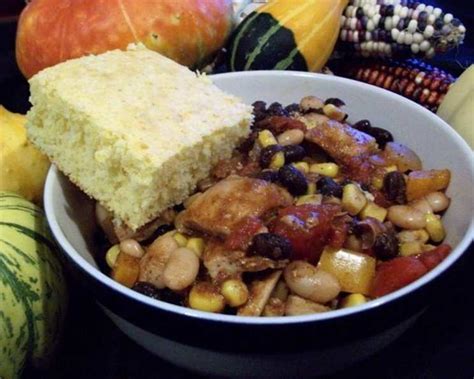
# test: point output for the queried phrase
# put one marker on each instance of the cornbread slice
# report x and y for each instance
(133, 129)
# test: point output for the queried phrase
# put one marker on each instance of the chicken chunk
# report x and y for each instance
(218, 210)
(260, 291)
(341, 141)
(223, 263)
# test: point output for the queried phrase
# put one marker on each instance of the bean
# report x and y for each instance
(271, 245)
(276, 109)
(438, 201)
(329, 187)
(268, 176)
(386, 246)
(147, 289)
(394, 187)
(422, 205)
(132, 247)
(382, 136)
(291, 137)
(259, 110)
(293, 153)
(293, 180)
(363, 126)
(292, 108)
(267, 153)
(311, 103)
(335, 101)
(153, 262)
(181, 269)
(307, 281)
(406, 217)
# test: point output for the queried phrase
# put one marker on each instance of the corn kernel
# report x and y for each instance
(377, 182)
(420, 235)
(302, 166)
(391, 168)
(278, 160)
(410, 248)
(266, 138)
(311, 188)
(353, 199)
(196, 245)
(235, 292)
(353, 300)
(315, 199)
(180, 239)
(328, 169)
(373, 210)
(111, 255)
(206, 297)
(334, 112)
(435, 227)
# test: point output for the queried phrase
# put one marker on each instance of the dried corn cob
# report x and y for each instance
(397, 28)
(412, 78)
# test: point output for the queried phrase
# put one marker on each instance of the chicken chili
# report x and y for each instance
(310, 214)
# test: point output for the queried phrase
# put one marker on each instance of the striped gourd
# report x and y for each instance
(286, 35)
(32, 288)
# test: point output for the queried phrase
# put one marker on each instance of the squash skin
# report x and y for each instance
(187, 31)
(23, 168)
(32, 287)
(314, 27)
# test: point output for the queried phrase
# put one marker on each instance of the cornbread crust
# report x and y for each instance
(133, 129)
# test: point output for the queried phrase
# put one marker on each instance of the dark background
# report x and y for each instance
(440, 344)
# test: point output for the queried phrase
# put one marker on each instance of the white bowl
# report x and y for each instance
(280, 346)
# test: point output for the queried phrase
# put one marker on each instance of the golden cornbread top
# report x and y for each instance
(153, 103)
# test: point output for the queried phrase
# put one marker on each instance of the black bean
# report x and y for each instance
(267, 154)
(147, 289)
(386, 246)
(268, 176)
(247, 144)
(171, 297)
(382, 136)
(270, 245)
(394, 187)
(276, 109)
(259, 110)
(363, 125)
(293, 153)
(292, 108)
(329, 187)
(335, 101)
(294, 181)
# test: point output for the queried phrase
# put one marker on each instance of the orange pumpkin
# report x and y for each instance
(187, 31)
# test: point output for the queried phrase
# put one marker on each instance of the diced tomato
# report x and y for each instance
(241, 236)
(338, 233)
(399, 272)
(434, 257)
(380, 199)
(307, 226)
(395, 274)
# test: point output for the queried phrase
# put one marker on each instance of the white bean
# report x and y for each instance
(181, 269)
(438, 201)
(311, 102)
(309, 282)
(406, 217)
(153, 262)
(291, 137)
(422, 205)
(132, 247)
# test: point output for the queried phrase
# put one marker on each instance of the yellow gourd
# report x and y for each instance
(22, 167)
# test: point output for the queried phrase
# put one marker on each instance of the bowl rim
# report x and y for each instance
(461, 247)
